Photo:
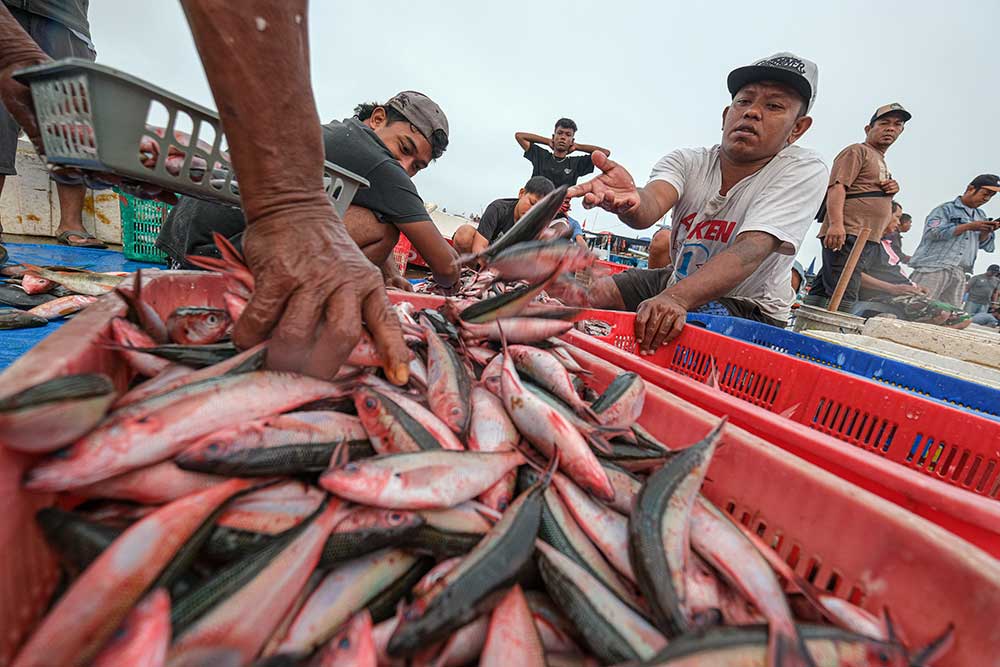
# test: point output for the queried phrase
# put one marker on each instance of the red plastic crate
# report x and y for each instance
(842, 538)
(612, 268)
(916, 435)
(404, 254)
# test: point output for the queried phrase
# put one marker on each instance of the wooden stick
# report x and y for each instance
(852, 262)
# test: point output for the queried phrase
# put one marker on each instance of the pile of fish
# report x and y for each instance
(495, 510)
(32, 296)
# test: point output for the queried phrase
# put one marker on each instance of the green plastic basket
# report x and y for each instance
(141, 222)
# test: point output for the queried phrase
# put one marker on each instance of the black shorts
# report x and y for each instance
(637, 285)
(59, 42)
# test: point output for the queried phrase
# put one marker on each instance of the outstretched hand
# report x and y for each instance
(614, 190)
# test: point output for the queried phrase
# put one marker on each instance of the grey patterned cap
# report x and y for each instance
(784, 67)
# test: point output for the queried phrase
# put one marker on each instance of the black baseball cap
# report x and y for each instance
(425, 115)
(787, 68)
(887, 109)
(988, 181)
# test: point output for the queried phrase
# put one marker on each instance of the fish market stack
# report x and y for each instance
(502, 508)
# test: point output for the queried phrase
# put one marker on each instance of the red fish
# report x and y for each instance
(144, 636)
(97, 602)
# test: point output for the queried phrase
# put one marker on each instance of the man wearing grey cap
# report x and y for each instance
(954, 233)
(386, 144)
(739, 209)
(859, 197)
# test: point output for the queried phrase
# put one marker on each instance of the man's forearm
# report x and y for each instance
(18, 47)
(532, 138)
(869, 282)
(719, 275)
(590, 148)
(256, 57)
(835, 198)
(646, 213)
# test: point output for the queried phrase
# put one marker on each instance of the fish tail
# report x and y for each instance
(785, 648)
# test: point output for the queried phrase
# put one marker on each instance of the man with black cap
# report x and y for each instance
(859, 197)
(954, 233)
(983, 290)
(740, 209)
(387, 144)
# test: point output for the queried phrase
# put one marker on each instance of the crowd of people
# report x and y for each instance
(740, 209)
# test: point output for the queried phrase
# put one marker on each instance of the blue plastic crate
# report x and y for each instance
(945, 388)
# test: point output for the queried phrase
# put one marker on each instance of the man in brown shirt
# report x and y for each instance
(859, 197)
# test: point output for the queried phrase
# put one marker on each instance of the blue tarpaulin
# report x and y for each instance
(14, 343)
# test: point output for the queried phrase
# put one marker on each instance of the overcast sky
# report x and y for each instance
(640, 78)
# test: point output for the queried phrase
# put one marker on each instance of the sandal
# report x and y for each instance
(88, 240)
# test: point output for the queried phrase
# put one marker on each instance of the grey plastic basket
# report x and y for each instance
(93, 117)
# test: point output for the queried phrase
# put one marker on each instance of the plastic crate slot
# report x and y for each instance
(184, 127)
(745, 519)
(990, 467)
(336, 189)
(851, 421)
(819, 409)
(859, 433)
(925, 457)
(888, 439)
(945, 465)
(793, 556)
(881, 431)
(731, 508)
(913, 449)
(832, 583)
(761, 528)
(963, 458)
(871, 429)
(812, 570)
(856, 596)
(976, 462)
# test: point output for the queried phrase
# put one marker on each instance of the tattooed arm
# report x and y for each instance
(661, 319)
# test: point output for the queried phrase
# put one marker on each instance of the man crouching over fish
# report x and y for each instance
(387, 144)
(740, 209)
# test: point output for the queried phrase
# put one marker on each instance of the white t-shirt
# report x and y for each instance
(781, 199)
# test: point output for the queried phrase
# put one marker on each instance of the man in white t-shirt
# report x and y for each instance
(740, 209)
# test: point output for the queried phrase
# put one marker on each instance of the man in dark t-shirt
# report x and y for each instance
(500, 216)
(386, 144)
(558, 165)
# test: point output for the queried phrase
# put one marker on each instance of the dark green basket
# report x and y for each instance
(141, 222)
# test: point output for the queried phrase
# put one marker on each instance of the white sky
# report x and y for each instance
(640, 78)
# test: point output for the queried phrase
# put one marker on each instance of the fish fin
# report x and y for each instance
(587, 412)
(228, 250)
(787, 650)
(341, 455)
(935, 650)
(486, 510)
(599, 443)
(551, 470)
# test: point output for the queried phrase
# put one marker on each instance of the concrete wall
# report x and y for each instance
(29, 203)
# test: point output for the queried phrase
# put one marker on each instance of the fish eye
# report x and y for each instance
(344, 643)
(370, 403)
(212, 447)
(212, 319)
(395, 517)
(350, 467)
